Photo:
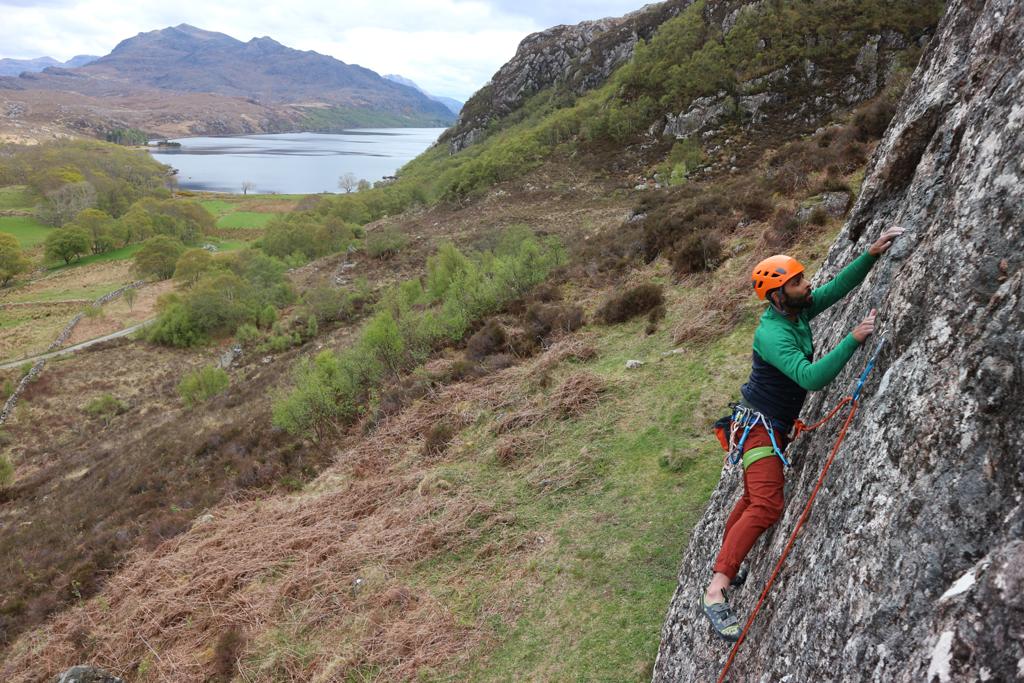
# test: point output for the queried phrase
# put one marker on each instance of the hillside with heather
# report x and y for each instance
(457, 427)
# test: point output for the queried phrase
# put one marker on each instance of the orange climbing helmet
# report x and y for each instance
(773, 272)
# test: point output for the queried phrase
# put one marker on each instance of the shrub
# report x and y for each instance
(411, 323)
(438, 438)
(685, 156)
(308, 235)
(158, 257)
(105, 407)
(757, 206)
(547, 320)
(267, 317)
(191, 265)
(12, 260)
(321, 399)
(247, 334)
(329, 304)
(871, 121)
(250, 285)
(697, 253)
(631, 303)
(385, 243)
(489, 339)
(202, 384)
(784, 228)
(174, 327)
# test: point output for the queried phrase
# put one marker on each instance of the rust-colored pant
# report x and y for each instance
(758, 508)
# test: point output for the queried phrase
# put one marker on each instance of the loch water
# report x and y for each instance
(292, 163)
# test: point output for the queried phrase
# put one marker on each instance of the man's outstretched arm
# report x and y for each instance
(852, 275)
(784, 355)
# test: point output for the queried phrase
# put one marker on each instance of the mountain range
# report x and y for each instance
(453, 104)
(14, 67)
(185, 80)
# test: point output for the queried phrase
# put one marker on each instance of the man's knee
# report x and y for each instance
(768, 511)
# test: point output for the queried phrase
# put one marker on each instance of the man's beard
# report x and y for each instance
(797, 304)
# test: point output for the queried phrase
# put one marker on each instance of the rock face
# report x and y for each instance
(579, 57)
(911, 566)
(805, 93)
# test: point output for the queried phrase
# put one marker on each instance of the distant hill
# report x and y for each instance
(453, 104)
(14, 67)
(292, 89)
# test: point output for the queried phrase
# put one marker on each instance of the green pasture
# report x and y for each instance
(26, 229)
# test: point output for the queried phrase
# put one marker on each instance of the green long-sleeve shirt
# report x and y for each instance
(783, 366)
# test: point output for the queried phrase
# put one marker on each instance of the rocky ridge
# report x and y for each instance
(911, 566)
(579, 58)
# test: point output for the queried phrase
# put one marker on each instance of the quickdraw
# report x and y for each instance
(745, 419)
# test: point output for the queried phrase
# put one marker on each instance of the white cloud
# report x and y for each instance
(449, 47)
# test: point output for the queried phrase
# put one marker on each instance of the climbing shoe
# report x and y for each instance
(723, 621)
(740, 578)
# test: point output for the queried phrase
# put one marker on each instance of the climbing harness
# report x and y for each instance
(798, 428)
(739, 423)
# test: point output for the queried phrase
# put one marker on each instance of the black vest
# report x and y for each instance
(772, 393)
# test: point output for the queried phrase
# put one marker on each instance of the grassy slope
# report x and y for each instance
(596, 596)
(27, 229)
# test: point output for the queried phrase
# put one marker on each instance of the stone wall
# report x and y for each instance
(12, 400)
(57, 343)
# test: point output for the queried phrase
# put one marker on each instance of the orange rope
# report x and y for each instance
(799, 425)
(803, 518)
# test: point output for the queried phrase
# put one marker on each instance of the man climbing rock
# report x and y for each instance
(783, 372)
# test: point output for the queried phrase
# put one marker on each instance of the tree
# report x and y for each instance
(66, 244)
(247, 185)
(134, 226)
(158, 257)
(12, 261)
(64, 203)
(191, 266)
(130, 295)
(363, 184)
(348, 181)
(99, 226)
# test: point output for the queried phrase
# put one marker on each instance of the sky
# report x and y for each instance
(448, 47)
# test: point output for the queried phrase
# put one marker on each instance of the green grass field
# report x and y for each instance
(244, 219)
(112, 255)
(28, 230)
(71, 294)
(218, 207)
(15, 197)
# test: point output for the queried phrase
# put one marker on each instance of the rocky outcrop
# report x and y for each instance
(86, 674)
(577, 58)
(805, 93)
(911, 565)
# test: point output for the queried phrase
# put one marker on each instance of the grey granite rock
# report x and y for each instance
(86, 674)
(911, 565)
